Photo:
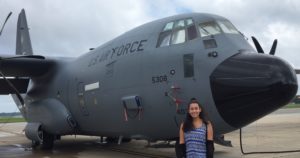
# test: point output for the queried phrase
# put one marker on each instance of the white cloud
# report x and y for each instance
(287, 33)
(70, 28)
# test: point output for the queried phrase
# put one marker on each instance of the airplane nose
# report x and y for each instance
(248, 86)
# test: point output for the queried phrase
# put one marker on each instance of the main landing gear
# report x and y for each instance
(46, 141)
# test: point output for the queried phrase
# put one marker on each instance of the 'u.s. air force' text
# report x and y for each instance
(132, 47)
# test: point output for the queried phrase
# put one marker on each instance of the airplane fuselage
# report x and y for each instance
(130, 86)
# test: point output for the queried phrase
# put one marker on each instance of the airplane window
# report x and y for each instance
(164, 39)
(188, 65)
(176, 32)
(192, 32)
(178, 37)
(210, 43)
(227, 27)
(179, 24)
(169, 26)
(189, 22)
(209, 28)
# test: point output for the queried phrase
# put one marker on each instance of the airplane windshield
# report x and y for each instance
(213, 28)
(227, 27)
(209, 28)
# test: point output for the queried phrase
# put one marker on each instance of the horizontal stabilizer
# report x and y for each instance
(20, 85)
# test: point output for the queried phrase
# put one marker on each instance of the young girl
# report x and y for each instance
(196, 133)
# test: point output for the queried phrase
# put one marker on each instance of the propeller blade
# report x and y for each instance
(257, 45)
(273, 48)
(5, 22)
(13, 88)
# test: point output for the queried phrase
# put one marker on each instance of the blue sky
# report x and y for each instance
(70, 27)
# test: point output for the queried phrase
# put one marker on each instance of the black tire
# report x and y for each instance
(116, 139)
(35, 144)
(126, 140)
(112, 140)
(48, 141)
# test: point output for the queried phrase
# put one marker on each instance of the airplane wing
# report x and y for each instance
(24, 66)
(20, 85)
(17, 70)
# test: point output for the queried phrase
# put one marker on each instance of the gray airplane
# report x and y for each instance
(137, 85)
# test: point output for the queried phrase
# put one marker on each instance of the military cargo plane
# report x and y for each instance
(137, 85)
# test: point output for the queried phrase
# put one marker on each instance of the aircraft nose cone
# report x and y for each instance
(248, 86)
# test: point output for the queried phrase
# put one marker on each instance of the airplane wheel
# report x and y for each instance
(115, 140)
(34, 144)
(126, 140)
(112, 139)
(48, 140)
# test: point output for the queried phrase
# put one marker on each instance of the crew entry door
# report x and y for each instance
(81, 99)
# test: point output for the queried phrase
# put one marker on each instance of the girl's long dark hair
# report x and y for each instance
(188, 123)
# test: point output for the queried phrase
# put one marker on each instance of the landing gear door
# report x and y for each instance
(81, 99)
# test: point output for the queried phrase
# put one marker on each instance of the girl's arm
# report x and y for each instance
(181, 134)
(210, 133)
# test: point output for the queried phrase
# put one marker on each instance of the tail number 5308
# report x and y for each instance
(159, 79)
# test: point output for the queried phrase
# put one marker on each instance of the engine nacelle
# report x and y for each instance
(33, 132)
(52, 115)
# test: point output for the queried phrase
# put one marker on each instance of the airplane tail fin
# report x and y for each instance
(23, 44)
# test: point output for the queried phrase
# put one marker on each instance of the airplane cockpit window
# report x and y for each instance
(169, 26)
(179, 24)
(227, 27)
(176, 32)
(178, 35)
(209, 28)
(189, 22)
(164, 38)
(191, 29)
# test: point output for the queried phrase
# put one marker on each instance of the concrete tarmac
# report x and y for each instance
(277, 131)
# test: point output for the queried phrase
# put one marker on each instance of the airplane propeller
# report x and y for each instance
(259, 48)
(3, 76)
(9, 14)
(13, 88)
(273, 48)
(11, 84)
